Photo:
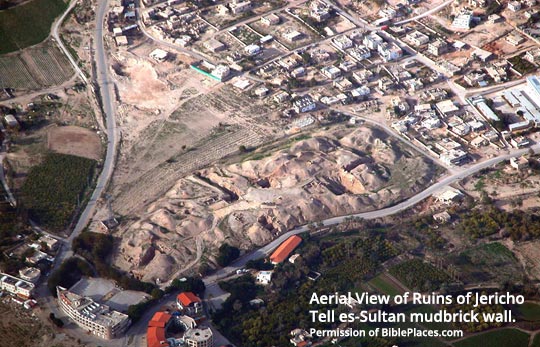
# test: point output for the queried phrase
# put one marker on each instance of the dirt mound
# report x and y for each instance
(247, 204)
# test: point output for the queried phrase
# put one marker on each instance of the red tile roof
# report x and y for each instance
(187, 298)
(284, 250)
(155, 335)
(159, 320)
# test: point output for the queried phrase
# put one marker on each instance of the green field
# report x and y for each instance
(536, 341)
(383, 285)
(54, 189)
(499, 338)
(28, 24)
(419, 275)
(529, 311)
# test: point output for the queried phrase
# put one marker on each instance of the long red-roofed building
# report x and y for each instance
(285, 249)
(155, 335)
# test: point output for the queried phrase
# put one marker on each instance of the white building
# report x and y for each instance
(390, 51)
(199, 337)
(463, 20)
(372, 41)
(514, 6)
(417, 38)
(304, 104)
(342, 42)
(159, 55)
(16, 286)
(252, 50)
(264, 277)
(91, 316)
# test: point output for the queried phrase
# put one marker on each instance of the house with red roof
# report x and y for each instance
(190, 303)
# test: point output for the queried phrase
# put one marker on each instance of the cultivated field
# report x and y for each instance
(36, 67)
(28, 24)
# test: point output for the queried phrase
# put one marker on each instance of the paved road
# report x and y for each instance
(427, 13)
(442, 183)
(107, 95)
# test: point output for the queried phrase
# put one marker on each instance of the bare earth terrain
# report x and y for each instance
(333, 172)
(75, 141)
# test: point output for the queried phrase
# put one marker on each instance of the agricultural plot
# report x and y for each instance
(492, 262)
(39, 66)
(497, 338)
(54, 189)
(384, 285)
(28, 24)
(419, 275)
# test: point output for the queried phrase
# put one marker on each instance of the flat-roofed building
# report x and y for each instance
(16, 286)
(98, 319)
(199, 338)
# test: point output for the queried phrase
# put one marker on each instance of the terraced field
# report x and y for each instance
(36, 67)
(157, 181)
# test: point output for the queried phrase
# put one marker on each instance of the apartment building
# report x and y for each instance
(98, 319)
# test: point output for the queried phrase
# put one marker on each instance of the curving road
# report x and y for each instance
(56, 37)
(388, 211)
(107, 97)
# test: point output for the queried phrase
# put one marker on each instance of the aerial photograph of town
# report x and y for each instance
(215, 173)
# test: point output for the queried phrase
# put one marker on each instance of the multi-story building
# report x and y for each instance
(417, 38)
(199, 338)
(372, 41)
(390, 51)
(463, 20)
(304, 104)
(96, 318)
(189, 302)
(533, 55)
(16, 286)
(437, 47)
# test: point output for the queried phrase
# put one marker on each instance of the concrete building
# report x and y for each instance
(463, 20)
(372, 41)
(264, 277)
(292, 36)
(331, 72)
(271, 19)
(214, 45)
(11, 121)
(533, 55)
(16, 286)
(342, 42)
(30, 274)
(437, 47)
(240, 7)
(519, 163)
(514, 6)
(304, 104)
(515, 39)
(199, 338)
(417, 38)
(390, 51)
(159, 55)
(98, 319)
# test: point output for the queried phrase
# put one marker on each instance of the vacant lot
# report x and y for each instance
(74, 140)
(28, 24)
(40, 66)
(54, 189)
